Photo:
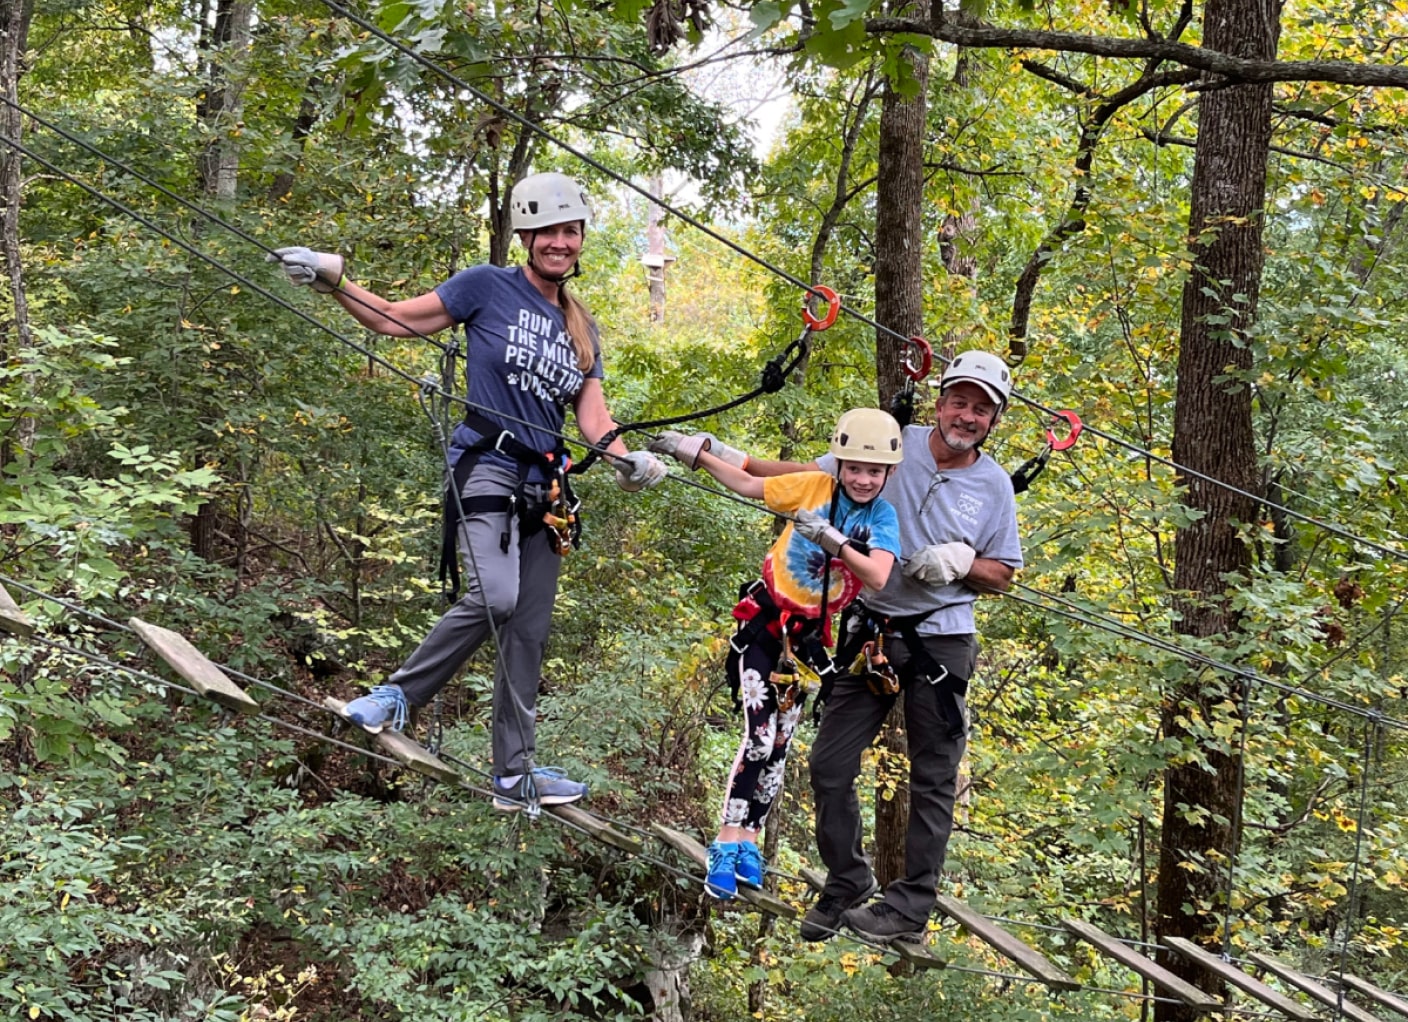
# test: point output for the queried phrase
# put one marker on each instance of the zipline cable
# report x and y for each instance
(1035, 405)
(1084, 616)
(579, 154)
(773, 377)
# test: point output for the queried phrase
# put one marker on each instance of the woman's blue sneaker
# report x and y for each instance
(749, 868)
(383, 704)
(722, 882)
(548, 786)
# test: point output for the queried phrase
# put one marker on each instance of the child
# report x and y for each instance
(842, 536)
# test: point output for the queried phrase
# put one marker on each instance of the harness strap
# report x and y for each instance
(760, 623)
(530, 516)
(860, 625)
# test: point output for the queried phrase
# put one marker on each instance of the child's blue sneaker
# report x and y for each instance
(749, 867)
(382, 704)
(548, 786)
(722, 881)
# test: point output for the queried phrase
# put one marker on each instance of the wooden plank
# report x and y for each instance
(815, 878)
(1315, 990)
(411, 754)
(692, 849)
(1150, 970)
(1376, 994)
(191, 664)
(917, 955)
(12, 619)
(1027, 957)
(595, 827)
(417, 757)
(1239, 979)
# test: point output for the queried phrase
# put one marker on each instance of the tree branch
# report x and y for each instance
(1340, 72)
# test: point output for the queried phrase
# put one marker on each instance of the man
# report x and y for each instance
(958, 537)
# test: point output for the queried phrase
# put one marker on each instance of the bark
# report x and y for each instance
(14, 33)
(899, 276)
(282, 185)
(1213, 435)
(224, 47)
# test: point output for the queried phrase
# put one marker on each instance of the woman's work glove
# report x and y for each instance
(639, 470)
(683, 447)
(812, 526)
(940, 564)
(324, 271)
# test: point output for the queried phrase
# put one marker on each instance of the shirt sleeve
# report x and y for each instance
(796, 490)
(463, 295)
(885, 527)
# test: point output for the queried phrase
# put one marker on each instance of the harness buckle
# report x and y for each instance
(941, 676)
(499, 440)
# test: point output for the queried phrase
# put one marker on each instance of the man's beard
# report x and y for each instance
(960, 442)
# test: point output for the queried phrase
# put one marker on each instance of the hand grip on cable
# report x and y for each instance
(639, 470)
(940, 563)
(325, 272)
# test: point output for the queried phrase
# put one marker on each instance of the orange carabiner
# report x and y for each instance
(926, 358)
(833, 306)
(1073, 421)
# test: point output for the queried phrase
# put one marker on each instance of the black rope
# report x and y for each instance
(773, 378)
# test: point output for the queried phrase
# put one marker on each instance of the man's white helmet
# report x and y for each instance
(985, 369)
(868, 434)
(541, 200)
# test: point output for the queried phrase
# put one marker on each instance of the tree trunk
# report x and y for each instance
(655, 254)
(899, 276)
(14, 34)
(1213, 435)
(226, 48)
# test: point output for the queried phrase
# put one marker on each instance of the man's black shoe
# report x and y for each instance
(883, 923)
(824, 918)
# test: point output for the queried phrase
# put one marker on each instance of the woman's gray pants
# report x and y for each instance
(516, 589)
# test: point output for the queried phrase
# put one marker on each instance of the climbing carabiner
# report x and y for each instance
(917, 345)
(1073, 421)
(820, 293)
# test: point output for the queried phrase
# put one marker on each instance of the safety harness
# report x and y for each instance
(862, 646)
(795, 642)
(560, 513)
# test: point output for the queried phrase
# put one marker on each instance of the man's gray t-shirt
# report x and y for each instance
(972, 505)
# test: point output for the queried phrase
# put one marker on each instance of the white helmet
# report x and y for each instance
(986, 370)
(541, 200)
(868, 434)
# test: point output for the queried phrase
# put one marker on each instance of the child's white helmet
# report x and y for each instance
(868, 434)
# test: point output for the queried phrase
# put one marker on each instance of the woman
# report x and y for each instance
(532, 349)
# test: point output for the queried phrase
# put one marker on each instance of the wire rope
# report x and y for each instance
(513, 115)
(1035, 405)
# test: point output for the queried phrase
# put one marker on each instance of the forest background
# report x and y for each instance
(185, 438)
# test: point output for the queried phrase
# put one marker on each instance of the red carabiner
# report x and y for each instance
(1072, 420)
(833, 306)
(926, 358)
